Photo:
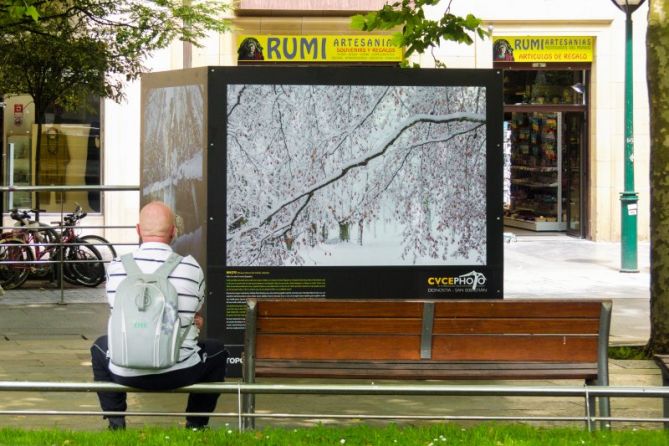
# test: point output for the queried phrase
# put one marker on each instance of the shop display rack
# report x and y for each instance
(536, 173)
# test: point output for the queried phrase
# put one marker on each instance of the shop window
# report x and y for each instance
(544, 87)
(64, 151)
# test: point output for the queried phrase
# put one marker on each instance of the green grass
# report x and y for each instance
(629, 352)
(432, 435)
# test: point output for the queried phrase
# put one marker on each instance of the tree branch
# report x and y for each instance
(381, 149)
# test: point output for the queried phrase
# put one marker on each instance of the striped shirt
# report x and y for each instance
(188, 280)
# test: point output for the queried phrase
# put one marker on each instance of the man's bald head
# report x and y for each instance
(156, 223)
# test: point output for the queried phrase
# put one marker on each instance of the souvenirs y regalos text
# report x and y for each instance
(317, 48)
(543, 48)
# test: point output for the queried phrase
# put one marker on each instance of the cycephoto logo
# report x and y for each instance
(472, 280)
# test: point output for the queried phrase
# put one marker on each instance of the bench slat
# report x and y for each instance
(426, 374)
(360, 325)
(443, 309)
(461, 347)
(542, 325)
(473, 371)
(336, 308)
(429, 364)
(337, 347)
(515, 348)
(297, 325)
(519, 309)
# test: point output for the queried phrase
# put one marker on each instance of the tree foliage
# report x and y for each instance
(59, 51)
(18, 11)
(63, 71)
(150, 24)
(418, 34)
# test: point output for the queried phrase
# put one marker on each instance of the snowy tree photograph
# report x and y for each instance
(173, 141)
(355, 175)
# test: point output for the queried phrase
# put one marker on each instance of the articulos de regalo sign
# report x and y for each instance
(317, 48)
(543, 48)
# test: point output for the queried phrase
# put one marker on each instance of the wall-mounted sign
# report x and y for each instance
(543, 48)
(317, 48)
(18, 114)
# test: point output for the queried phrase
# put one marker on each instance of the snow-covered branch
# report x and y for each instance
(239, 100)
(349, 131)
(378, 151)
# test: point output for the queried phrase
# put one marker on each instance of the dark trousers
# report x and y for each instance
(210, 369)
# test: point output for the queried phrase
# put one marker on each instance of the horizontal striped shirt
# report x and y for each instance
(188, 280)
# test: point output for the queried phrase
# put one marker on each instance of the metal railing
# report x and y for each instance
(240, 389)
(61, 260)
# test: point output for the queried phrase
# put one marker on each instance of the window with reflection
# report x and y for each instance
(64, 151)
(559, 87)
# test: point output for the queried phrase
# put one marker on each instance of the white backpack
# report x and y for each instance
(144, 328)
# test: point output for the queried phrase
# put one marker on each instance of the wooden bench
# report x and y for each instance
(435, 340)
(662, 362)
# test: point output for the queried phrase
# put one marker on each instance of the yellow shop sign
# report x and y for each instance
(317, 48)
(543, 48)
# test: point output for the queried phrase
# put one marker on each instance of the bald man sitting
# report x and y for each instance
(199, 361)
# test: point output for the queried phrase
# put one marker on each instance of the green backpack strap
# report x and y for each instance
(164, 270)
(170, 263)
(130, 265)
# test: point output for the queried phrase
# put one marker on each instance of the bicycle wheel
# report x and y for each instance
(83, 264)
(69, 275)
(103, 246)
(13, 275)
(47, 251)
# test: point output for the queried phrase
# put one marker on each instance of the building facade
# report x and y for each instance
(564, 119)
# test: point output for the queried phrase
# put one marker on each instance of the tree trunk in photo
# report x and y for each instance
(312, 234)
(289, 239)
(361, 227)
(344, 231)
(657, 44)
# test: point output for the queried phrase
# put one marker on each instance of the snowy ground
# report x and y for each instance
(382, 247)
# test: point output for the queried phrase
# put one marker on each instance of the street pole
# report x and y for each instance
(629, 198)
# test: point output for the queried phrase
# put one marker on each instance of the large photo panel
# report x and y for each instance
(369, 183)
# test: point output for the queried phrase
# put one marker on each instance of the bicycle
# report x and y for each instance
(82, 264)
(81, 252)
(82, 261)
(103, 246)
(18, 260)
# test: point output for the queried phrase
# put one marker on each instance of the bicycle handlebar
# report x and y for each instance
(23, 215)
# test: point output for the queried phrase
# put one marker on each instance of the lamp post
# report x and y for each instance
(628, 198)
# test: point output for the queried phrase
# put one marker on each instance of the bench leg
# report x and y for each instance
(590, 413)
(605, 411)
(248, 406)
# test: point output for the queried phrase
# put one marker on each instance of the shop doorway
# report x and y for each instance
(545, 175)
(574, 170)
(545, 128)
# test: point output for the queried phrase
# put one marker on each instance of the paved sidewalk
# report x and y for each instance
(40, 339)
(563, 267)
(541, 266)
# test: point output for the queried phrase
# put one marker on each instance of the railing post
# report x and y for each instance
(248, 365)
(589, 408)
(61, 250)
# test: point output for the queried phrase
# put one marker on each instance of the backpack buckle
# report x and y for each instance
(143, 300)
